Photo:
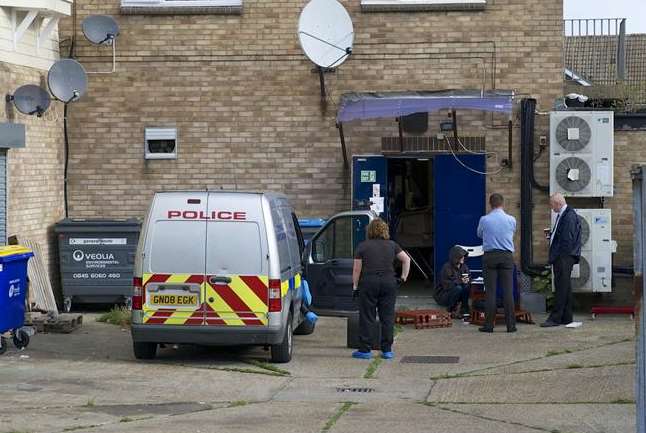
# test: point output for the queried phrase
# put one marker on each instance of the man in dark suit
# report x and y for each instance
(565, 251)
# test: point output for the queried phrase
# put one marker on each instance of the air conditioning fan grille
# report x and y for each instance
(584, 274)
(577, 183)
(585, 230)
(573, 122)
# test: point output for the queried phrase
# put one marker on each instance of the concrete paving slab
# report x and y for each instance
(603, 385)
(580, 418)
(415, 418)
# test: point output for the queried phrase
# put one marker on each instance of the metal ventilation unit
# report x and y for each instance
(593, 274)
(581, 153)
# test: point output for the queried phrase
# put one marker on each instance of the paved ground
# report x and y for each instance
(537, 380)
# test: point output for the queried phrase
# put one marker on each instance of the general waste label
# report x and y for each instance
(98, 241)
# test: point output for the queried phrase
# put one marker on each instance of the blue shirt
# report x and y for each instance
(496, 229)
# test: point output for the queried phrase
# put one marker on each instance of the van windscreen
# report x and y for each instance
(233, 248)
(178, 247)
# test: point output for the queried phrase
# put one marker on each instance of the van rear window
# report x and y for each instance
(178, 247)
(234, 248)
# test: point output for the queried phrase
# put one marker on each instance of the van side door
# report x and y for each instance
(329, 261)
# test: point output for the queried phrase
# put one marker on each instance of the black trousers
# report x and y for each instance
(377, 294)
(458, 293)
(562, 312)
(499, 266)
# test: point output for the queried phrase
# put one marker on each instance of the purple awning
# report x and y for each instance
(358, 106)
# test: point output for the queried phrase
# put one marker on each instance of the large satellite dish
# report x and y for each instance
(325, 32)
(67, 80)
(31, 99)
(100, 29)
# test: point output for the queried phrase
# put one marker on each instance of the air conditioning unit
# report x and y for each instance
(581, 153)
(593, 273)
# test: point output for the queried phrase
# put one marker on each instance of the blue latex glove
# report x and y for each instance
(307, 296)
(311, 317)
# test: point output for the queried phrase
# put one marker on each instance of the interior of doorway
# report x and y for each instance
(411, 195)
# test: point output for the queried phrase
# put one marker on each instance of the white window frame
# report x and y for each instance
(181, 6)
(422, 5)
(157, 133)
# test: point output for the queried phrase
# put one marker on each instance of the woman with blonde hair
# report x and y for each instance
(375, 283)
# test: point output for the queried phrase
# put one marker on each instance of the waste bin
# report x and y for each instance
(97, 259)
(13, 290)
(309, 226)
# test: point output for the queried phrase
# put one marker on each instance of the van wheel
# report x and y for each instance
(145, 350)
(4, 343)
(282, 353)
(305, 328)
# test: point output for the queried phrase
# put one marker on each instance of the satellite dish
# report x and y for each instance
(67, 80)
(325, 32)
(100, 29)
(31, 99)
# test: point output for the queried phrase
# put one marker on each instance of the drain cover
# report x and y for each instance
(354, 389)
(430, 359)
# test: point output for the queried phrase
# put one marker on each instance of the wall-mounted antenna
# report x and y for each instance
(326, 35)
(30, 99)
(102, 30)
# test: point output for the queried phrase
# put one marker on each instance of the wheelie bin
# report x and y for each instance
(13, 290)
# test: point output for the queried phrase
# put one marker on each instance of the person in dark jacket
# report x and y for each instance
(454, 289)
(565, 252)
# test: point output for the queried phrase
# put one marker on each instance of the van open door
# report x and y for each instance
(328, 262)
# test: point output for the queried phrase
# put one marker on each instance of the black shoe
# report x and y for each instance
(549, 324)
(485, 329)
(511, 329)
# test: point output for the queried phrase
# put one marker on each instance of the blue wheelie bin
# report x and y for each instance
(13, 290)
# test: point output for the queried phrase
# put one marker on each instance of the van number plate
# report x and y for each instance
(173, 300)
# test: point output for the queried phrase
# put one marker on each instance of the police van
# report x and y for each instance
(218, 268)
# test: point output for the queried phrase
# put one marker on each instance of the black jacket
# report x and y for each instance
(567, 239)
(451, 274)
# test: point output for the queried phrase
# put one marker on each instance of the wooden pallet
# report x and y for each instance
(522, 316)
(424, 319)
(60, 324)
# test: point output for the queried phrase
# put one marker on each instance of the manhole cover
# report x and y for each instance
(430, 359)
(354, 389)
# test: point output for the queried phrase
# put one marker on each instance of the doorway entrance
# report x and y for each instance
(431, 202)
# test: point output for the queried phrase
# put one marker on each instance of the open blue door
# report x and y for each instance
(459, 204)
(369, 183)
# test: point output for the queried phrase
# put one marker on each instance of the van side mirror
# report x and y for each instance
(306, 254)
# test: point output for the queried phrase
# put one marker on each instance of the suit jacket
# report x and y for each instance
(567, 238)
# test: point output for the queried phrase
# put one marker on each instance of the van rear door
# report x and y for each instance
(174, 265)
(236, 261)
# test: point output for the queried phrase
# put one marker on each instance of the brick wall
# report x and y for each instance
(35, 175)
(246, 102)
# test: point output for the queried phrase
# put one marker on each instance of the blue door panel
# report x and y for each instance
(366, 172)
(459, 204)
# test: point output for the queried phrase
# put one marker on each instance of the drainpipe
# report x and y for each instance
(528, 108)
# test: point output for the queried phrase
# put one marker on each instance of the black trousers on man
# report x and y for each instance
(377, 293)
(498, 265)
(562, 312)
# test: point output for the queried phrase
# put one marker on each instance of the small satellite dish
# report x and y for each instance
(67, 80)
(100, 29)
(325, 32)
(31, 99)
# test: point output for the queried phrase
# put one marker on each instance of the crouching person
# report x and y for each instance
(453, 290)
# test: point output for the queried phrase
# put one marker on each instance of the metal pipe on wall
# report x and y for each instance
(639, 213)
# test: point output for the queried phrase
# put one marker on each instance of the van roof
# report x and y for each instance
(268, 194)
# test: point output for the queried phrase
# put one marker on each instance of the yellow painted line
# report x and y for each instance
(146, 277)
(297, 281)
(178, 278)
(178, 318)
(284, 288)
(222, 308)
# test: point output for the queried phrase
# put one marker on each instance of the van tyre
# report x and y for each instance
(305, 328)
(282, 352)
(145, 350)
(3, 345)
(20, 339)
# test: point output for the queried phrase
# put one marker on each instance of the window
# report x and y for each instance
(421, 5)
(160, 143)
(234, 248)
(339, 238)
(171, 7)
(178, 247)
